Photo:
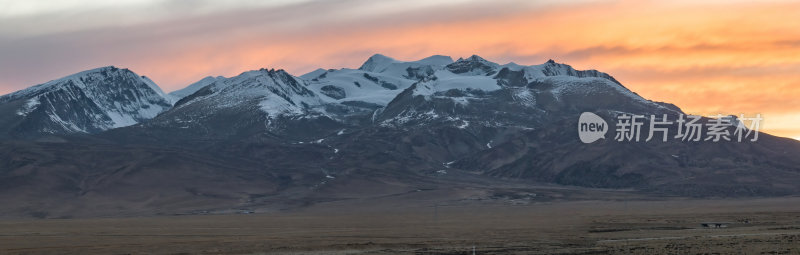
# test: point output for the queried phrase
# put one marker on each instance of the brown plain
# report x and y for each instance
(769, 225)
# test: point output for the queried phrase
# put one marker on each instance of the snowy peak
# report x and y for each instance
(515, 75)
(86, 102)
(380, 64)
(373, 85)
(551, 68)
(435, 60)
(194, 87)
(275, 92)
(475, 58)
(474, 65)
(376, 63)
(271, 79)
(473, 89)
(381, 79)
(313, 74)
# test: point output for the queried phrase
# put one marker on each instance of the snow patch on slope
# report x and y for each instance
(446, 81)
(29, 106)
(358, 85)
(589, 85)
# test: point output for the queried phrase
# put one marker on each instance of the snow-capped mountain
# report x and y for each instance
(356, 92)
(479, 92)
(253, 101)
(537, 89)
(379, 80)
(265, 138)
(383, 91)
(392, 93)
(194, 87)
(87, 102)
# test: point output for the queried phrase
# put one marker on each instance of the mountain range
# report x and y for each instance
(109, 142)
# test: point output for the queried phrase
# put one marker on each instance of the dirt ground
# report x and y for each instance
(673, 226)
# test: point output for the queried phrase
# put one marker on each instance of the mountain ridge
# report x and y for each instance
(268, 140)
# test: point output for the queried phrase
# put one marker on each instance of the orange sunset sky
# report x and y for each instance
(728, 57)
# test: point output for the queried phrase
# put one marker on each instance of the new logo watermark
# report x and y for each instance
(692, 128)
(591, 127)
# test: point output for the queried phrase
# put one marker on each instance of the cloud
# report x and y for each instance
(227, 41)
